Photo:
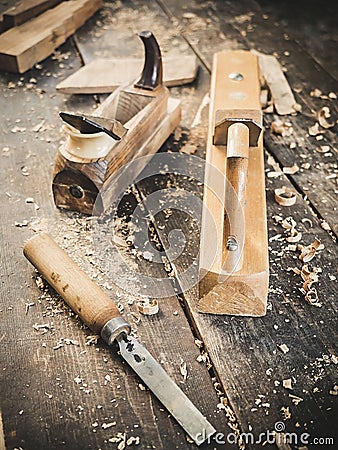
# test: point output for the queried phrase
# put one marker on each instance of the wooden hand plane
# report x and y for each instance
(134, 121)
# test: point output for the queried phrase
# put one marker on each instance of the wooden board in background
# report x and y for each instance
(105, 75)
(24, 10)
(23, 46)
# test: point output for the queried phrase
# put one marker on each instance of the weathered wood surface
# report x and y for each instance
(102, 76)
(52, 398)
(23, 46)
(25, 10)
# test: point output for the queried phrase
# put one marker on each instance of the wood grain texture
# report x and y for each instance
(105, 75)
(281, 93)
(149, 118)
(269, 38)
(23, 46)
(52, 398)
(42, 404)
(250, 346)
(22, 11)
(250, 271)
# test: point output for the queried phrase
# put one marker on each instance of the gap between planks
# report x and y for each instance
(189, 316)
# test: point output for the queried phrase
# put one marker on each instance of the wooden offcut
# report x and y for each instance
(281, 93)
(105, 75)
(23, 46)
(224, 291)
(25, 10)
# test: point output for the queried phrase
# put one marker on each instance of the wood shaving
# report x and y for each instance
(133, 440)
(148, 307)
(17, 129)
(199, 343)
(183, 369)
(306, 220)
(24, 223)
(285, 196)
(322, 115)
(314, 130)
(309, 277)
(325, 225)
(188, 149)
(316, 93)
(291, 170)
(117, 240)
(309, 252)
(284, 348)
(287, 384)
(92, 340)
(39, 127)
(295, 236)
(274, 174)
(28, 305)
(334, 390)
(286, 412)
(282, 128)
(295, 399)
(323, 149)
(108, 425)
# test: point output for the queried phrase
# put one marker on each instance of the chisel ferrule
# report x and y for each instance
(113, 328)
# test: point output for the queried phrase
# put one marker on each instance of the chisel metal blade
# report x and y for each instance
(165, 389)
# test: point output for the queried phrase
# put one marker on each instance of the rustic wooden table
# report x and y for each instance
(62, 389)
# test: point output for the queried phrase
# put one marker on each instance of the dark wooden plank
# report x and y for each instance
(316, 32)
(245, 352)
(25, 10)
(252, 346)
(62, 397)
(243, 22)
(23, 46)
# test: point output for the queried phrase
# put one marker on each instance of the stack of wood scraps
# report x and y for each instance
(35, 28)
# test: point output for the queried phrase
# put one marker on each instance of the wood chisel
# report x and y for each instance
(102, 316)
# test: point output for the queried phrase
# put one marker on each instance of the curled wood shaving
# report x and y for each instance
(295, 236)
(309, 277)
(288, 223)
(323, 149)
(148, 307)
(322, 115)
(309, 252)
(285, 196)
(281, 127)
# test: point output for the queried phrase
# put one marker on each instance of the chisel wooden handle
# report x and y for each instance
(85, 298)
(237, 176)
